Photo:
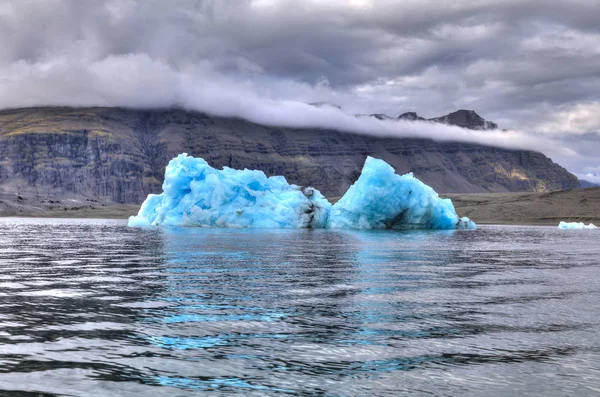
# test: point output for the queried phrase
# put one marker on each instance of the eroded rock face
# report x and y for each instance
(121, 154)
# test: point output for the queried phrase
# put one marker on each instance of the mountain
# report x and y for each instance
(466, 119)
(587, 184)
(411, 116)
(461, 118)
(120, 154)
(381, 116)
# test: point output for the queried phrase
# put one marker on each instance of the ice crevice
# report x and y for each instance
(196, 194)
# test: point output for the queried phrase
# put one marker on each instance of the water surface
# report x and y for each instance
(93, 308)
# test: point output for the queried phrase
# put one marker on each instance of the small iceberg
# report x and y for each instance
(196, 194)
(576, 226)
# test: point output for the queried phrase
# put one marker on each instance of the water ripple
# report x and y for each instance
(91, 307)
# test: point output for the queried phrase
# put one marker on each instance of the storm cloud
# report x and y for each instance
(533, 67)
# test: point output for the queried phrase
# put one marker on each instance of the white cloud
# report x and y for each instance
(579, 118)
(594, 178)
(137, 80)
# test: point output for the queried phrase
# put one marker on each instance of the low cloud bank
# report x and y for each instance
(141, 82)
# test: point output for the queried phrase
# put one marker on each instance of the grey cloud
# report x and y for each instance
(529, 65)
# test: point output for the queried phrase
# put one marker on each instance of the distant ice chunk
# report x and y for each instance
(195, 194)
(576, 225)
(382, 199)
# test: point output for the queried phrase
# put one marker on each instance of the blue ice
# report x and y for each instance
(576, 225)
(196, 194)
(382, 199)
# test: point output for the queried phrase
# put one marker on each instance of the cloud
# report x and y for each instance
(532, 66)
(590, 174)
(121, 79)
(593, 178)
(579, 118)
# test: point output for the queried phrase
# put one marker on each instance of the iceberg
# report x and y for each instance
(382, 199)
(196, 194)
(576, 225)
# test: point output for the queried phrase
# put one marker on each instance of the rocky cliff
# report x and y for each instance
(120, 154)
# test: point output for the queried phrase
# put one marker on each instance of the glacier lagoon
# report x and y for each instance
(93, 308)
(196, 194)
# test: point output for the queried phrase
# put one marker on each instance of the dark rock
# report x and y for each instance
(411, 116)
(381, 116)
(466, 119)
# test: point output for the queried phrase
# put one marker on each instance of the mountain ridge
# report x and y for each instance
(584, 184)
(120, 154)
(461, 118)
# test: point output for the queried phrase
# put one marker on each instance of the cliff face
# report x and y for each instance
(120, 154)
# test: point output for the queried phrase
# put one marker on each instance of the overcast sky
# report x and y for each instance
(532, 66)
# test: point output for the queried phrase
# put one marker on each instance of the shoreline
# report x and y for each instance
(524, 208)
(108, 218)
(33, 206)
